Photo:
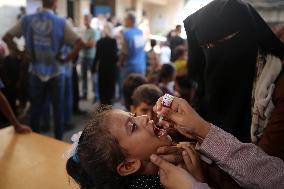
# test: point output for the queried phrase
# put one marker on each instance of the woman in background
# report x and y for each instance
(105, 62)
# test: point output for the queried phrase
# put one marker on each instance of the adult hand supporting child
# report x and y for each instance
(189, 158)
(173, 177)
(184, 118)
(172, 154)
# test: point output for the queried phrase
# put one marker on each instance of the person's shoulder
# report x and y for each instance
(28, 17)
(138, 30)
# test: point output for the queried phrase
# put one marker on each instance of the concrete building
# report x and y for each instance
(10, 9)
(163, 14)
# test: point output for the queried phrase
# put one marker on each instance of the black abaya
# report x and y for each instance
(224, 38)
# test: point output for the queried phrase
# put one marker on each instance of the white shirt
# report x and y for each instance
(165, 55)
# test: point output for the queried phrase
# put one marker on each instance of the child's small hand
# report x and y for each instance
(192, 161)
(171, 154)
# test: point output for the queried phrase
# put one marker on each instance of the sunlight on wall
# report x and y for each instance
(191, 7)
(16, 3)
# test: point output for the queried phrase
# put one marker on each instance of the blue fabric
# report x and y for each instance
(76, 158)
(66, 68)
(1, 85)
(39, 93)
(136, 56)
(68, 99)
(44, 35)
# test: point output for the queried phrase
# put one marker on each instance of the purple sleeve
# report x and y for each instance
(199, 185)
(244, 162)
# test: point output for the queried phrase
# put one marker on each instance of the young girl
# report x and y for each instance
(114, 151)
(167, 77)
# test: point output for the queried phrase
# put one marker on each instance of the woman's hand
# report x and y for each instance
(185, 156)
(183, 117)
(192, 161)
(172, 177)
(172, 154)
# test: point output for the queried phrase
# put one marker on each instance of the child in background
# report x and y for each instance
(165, 53)
(131, 82)
(144, 99)
(153, 64)
(167, 77)
(180, 61)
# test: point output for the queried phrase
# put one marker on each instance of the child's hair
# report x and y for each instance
(131, 82)
(178, 52)
(147, 93)
(153, 43)
(99, 154)
(166, 72)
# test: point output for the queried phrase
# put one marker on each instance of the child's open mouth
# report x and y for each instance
(159, 131)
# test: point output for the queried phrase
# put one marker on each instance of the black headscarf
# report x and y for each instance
(224, 38)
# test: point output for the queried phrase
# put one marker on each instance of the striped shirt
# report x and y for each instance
(244, 162)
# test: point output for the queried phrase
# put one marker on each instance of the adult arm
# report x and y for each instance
(6, 109)
(244, 162)
(123, 52)
(173, 177)
(15, 31)
(73, 39)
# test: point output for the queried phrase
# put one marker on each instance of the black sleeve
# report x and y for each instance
(97, 57)
(196, 59)
(115, 50)
(267, 40)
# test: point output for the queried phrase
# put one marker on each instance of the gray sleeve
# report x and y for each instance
(244, 162)
(16, 30)
(70, 36)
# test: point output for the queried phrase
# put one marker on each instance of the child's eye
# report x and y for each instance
(133, 127)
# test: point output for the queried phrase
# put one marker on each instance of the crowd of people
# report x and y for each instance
(45, 73)
(227, 74)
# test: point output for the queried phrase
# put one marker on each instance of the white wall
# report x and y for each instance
(164, 17)
(120, 7)
(82, 7)
(9, 9)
